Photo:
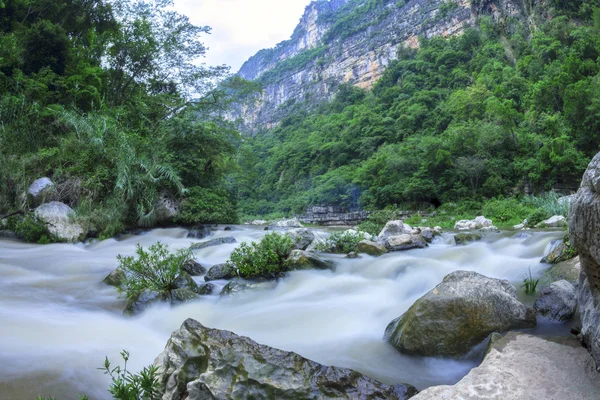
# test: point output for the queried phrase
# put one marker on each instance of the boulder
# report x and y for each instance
(179, 296)
(193, 268)
(213, 242)
(185, 281)
(41, 190)
(478, 223)
(568, 270)
(257, 222)
(405, 242)
(554, 252)
(166, 209)
(199, 232)
(115, 278)
(206, 289)
(557, 302)
(427, 234)
(299, 260)
(457, 315)
(58, 218)
(557, 221)
(394, 228)
(220, 271)
(142, 301)
(352, 255)
(522, 225)
(525, 367)
(302, 238)
(288, 223)
(201, 363)
(371, 248)
(235, 287)
(465, 238)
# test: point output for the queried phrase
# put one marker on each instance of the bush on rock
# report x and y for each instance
(264, 259)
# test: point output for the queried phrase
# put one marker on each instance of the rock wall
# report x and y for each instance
(323, 52)
(332, 216)
(584, 233)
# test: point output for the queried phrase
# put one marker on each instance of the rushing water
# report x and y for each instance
(58, 321)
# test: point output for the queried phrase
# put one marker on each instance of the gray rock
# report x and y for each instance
(288, 223)
(235, 287)
(115, 278)
(568, 270)
(557, 302)
(405, 242)
(302, 238)
(465, 238)
(371, 248)
(220, 271)
(179, 296)
(199, 232)
(299, 260)
(213, 242)
(185, 281)
(557, 221)
(206, 289)
(58, 218)
(141, 302)
(201, 363)
(554, 252)
(584, 235)
(257, 222)
(193, 268)
(524, 367)
(352, 255)
(394, 228)
(41, 190)
(166, 209)
(478, 223)
(457, 315)
(427, 234)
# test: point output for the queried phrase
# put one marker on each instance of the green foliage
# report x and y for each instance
(341, 242)
(530, 284)
(29, 229)
(570, 252)
(203, 205)
(549, 203)
(506, 211)
(265, 259)
(154, 270)
(126, 385)
(292, 64)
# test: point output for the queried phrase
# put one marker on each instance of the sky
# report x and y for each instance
(240, 28)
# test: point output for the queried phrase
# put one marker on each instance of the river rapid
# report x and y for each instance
(58, 320)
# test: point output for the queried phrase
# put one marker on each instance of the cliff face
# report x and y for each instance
(351, 41)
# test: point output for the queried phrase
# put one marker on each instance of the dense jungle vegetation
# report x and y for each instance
(475, 117)
(97, 96)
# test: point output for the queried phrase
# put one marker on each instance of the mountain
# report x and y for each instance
(351, 41)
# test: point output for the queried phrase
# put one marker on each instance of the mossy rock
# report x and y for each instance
(115, 278)
(371, 248)
(465, 238)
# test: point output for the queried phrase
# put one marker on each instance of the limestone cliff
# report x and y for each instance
(351, 41)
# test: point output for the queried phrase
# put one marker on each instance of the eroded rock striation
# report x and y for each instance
(203, 363)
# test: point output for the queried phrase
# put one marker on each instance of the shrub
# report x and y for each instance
(128, 386)
(155, 270)
(207, 206)
(537, 216)
(414, 219)
(31, 230)
(505, 210)
(549, 203)
(341, 242)
(266, 258)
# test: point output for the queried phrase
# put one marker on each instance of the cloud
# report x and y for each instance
(242, 27)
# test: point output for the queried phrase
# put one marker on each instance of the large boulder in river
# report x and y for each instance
(220, 271)
(41, 190)
(371, 248)
(525, 367)
(59, 220)
(200, 363)
(557, 302)
(299, 260)
(457, 315)
(302, 238)
(584, 234)
(404, 242)
(193, 268)
(213, 242)
(394, 228)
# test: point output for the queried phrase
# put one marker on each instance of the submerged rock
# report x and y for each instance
(464, 238)
(115, 278)
(557, 302)
(213, 242)
(405, 242)
(524, 367)
(193, 268)
(299, 260)
(234, 287)
(457, 315)
(199, 232)
(371, 248)
(220, 271)
(302, 238)
(58, 218)
(201, 363)
(205, 289)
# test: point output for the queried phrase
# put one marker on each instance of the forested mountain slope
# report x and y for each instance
(504, 108)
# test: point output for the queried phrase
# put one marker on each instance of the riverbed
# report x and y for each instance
(58, 320)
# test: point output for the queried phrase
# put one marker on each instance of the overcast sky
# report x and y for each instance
(242, 27)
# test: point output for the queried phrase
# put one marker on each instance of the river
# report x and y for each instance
(58, 321)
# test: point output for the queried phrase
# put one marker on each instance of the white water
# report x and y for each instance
(58, 321)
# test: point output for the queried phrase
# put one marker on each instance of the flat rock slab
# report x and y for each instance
(525, 367)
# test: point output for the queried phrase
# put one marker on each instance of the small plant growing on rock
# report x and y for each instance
(530, 284)
(265, 259)
(155, 270)
(128, 386)
(341, 242)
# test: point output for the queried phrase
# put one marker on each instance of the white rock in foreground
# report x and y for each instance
(524, 367)
(57, 216)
